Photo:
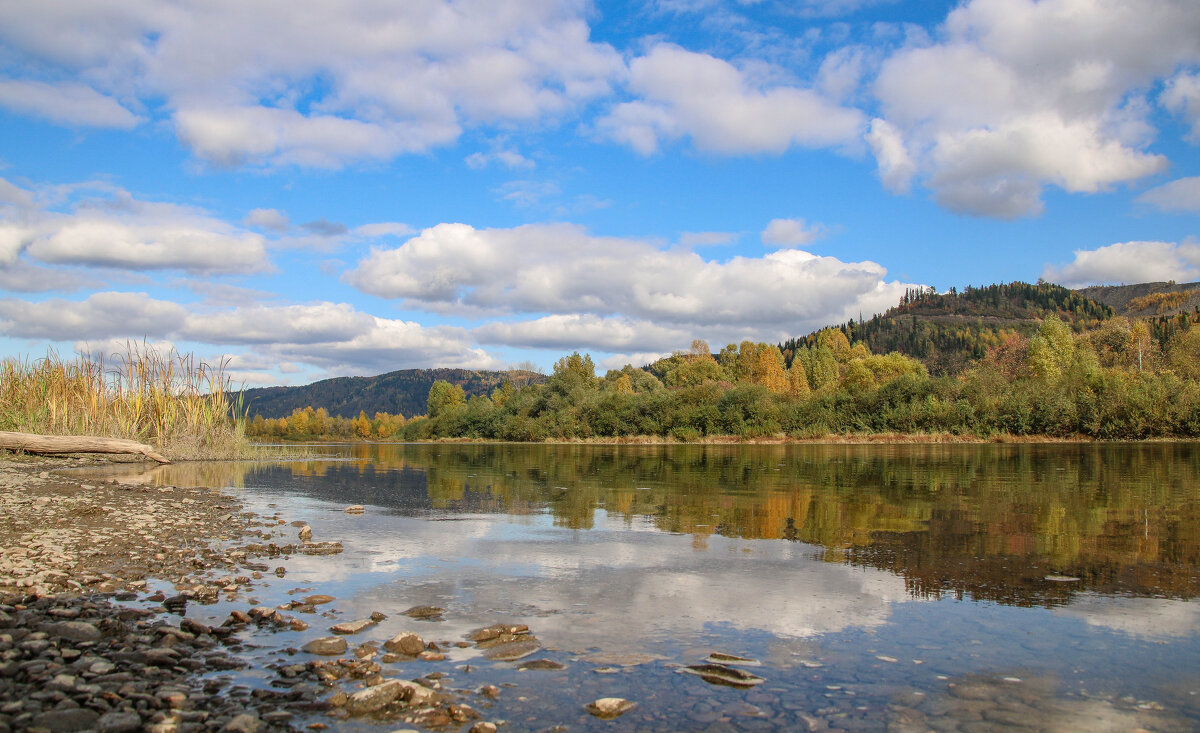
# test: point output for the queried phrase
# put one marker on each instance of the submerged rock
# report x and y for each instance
(719, 674)
(541, 664)
(354, 509)
(321, 548)
(513, 650)
(607, 708)
(425, 612)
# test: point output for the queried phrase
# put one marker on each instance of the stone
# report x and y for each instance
(540, 664)
(352, 627)
(318, 600)
(431, 656)
(243, 723)
(513, 650)
(424, 612)
(483, 727)
(305, 533)
(406, 643)
(373, 698)
(321, 548)
(117, 722)
(732, 659)
(354, 509)
(67, 720)
(74, 631)
(607, 708)
(418, 695)
(719, 674)
(326, 645)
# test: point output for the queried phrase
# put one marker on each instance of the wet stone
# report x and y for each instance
(607, 708)
(326, 645)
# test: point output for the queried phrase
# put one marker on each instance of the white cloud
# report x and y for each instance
(791, 233)
(507, 158)
(1182, 195)
(105, 241)
(1018, 95)
(105, 226)
(896, 166)
(272, 219)
(65, 102)
(560, 269)
(258, 83)
(101, 316)
(581, 332)
(1182, 96)
(1129, 262)
(722, 109)
(330, 336)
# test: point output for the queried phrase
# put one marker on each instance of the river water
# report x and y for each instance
(1041, 587)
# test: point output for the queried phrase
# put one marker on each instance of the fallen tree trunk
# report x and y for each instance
(31, 443)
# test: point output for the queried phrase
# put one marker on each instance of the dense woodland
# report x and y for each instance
(1036, 360)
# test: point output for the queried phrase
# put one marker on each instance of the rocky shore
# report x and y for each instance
(96, 582)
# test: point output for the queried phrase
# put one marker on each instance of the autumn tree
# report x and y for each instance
(443, 397)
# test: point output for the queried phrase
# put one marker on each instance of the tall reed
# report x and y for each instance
(176, 403)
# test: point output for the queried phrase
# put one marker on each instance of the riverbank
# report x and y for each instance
(107, 599)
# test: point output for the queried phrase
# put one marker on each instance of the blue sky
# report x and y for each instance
(354, 187)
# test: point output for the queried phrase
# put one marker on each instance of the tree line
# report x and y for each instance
(1117, 381)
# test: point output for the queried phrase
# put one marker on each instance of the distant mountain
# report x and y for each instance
(947, 331)
(403, 392)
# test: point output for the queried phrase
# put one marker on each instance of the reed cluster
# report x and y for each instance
(178, 404)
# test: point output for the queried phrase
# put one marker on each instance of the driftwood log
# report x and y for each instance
(31, 443)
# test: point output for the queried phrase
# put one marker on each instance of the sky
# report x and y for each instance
(350, 187)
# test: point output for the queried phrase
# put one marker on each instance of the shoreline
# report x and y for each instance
(107, 620)
(838, 439)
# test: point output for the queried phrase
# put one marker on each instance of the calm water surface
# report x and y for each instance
(880, 587)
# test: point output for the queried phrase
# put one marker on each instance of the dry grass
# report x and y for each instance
(179, 405)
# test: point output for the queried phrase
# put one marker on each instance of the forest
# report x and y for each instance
(1046, 363)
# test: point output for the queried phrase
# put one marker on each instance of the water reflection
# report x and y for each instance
(1020, 525)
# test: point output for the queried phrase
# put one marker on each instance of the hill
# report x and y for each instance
(947, 331)
(401, 392)
(1146, 300)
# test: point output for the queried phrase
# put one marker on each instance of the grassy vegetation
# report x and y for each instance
(171, 401)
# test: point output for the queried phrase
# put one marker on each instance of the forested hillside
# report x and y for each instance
(949, 331)
(401, 392)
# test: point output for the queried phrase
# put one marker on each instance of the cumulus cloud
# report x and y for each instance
(722, 109)
(1129, 262)
(1015, 96)
(581, 332)
(791, 233)
(65, 102)
(1182, 96)
(104, 226)
(331, 336)
(1182, 195)
(561, 269)
(255, 83)
(101, 316)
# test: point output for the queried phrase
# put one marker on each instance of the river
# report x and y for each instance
(905, 587)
